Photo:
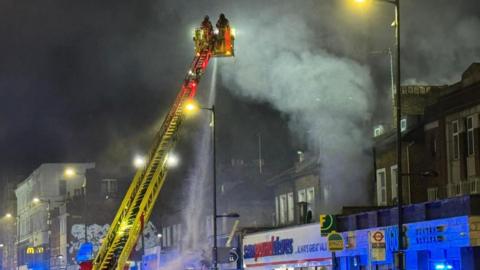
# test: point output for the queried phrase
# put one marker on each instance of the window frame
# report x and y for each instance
(311, 200)
(470, 135)
(290, 207)
(455, 140)
(394, 184)
(302, 195)
(381, 188)
(403, 124)
(283, 208)
(277, 210)
(432, 191)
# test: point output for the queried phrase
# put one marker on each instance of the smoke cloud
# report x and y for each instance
(328, 98)
(440, 40)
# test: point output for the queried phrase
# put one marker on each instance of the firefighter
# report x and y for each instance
(207, 29)
(222, 22)
(223, 43)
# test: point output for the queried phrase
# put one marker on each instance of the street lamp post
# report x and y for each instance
(9, 239)
(214, 189)
(399, 140)
(70, 173)
(191, 106)
(37, 200)
(398, 104)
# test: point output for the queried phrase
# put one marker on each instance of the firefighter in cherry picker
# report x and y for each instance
(207, 30)
(224, 43)
(222, 22)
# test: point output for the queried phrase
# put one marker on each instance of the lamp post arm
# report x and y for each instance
(393, 2)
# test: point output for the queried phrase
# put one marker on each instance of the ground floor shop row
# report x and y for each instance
(441, 244)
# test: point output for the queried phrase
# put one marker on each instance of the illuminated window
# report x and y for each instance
(311, 199)
(291, 207)
(283, 208)
(109, 187)
(381, 187)
(378, 130)
(403, 125)
(393, 176)
(164, 238)
(302, 196)
(277, 210)
(470, 136)
(455, 139)
(169, 236)
(174, 234)
(179, 233)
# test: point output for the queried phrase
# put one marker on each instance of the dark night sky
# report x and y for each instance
(87, 80)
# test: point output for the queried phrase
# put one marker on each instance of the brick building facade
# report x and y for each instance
(440, 133)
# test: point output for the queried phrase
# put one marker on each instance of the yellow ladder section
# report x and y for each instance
(140, 198)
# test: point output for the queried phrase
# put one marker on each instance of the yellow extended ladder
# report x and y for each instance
(140, 198)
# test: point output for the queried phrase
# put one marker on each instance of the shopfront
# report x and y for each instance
(440, 244)
(291, 248)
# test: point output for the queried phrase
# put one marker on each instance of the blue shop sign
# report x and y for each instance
(440, 233)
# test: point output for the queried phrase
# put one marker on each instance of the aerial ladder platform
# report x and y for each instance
(137, 205)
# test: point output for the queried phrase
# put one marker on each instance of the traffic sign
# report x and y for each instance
(377, 245)
(227, 255)
(335, 241)
(233, 256)
(378, 237)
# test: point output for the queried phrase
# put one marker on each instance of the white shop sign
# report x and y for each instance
(292, 247)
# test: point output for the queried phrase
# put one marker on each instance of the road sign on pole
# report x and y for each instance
(335, 242)
(377, 245)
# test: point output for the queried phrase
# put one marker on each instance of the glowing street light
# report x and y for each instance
(8, 215)
(2, 245)
(159, 235)
(172, 160)
(69, 172)
(36, 200)
(139, 161)
(191, 107)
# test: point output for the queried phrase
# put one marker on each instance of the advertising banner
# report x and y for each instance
(300, 246)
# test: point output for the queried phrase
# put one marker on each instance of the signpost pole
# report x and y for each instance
(369, 254)
(334, 261)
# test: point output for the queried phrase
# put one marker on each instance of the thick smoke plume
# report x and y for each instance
(327, 98)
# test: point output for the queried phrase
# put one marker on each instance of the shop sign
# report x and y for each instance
(286, 247)
(327, 224)
(377, 245)
(274, 247)
(335, 242)
(35, 250)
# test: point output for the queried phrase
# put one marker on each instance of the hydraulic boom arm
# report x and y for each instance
(137, 205)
